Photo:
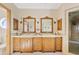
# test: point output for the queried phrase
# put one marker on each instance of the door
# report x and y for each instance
(48, 44)
(37, 44)
(26, 44)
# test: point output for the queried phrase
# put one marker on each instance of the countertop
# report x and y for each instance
(30, 35)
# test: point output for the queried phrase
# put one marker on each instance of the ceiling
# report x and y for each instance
(37, 5)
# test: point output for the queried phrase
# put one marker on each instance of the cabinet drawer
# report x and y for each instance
(48, 44)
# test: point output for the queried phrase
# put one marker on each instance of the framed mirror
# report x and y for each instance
(29, 24)
(15, 24)
(59, 24)
(46, 24)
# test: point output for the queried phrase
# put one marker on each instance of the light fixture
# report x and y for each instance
(54, 22)
(20, 22)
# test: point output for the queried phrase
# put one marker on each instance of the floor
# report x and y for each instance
(38, 53)
(74, 47)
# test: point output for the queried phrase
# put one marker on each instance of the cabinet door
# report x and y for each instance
(48, 44)
(26, 44)
(59, 44)
(16, 44)
(37, 44)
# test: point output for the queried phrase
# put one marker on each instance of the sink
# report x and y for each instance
(27, 34)
(31, 34)
(37, 34)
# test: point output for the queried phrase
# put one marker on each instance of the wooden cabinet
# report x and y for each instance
(59, 44)
(26, 44)
(22, 44)
(43, 44)
(59, 24)
(15, 24)
(48, 44)
(16, 44)
(37, 44)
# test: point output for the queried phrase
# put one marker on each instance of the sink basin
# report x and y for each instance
(37, 34)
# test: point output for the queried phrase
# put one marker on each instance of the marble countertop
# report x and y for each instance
(30, 35)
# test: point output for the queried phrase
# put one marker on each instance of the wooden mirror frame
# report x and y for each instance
(29, 17)
(49, 18)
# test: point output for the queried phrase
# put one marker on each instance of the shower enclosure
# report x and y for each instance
(74, 32)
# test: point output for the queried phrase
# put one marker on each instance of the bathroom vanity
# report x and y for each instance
(36, 42)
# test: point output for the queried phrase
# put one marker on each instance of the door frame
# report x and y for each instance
(8, 29)
(73, 9)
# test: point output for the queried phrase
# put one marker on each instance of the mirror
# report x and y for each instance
(29, 24)
(59, 24)
(46, 24)
(15, 24)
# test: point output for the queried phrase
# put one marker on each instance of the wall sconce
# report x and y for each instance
(54, 22)
(20, 22)
(37, 22)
